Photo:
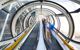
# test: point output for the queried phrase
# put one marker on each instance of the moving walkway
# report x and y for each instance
(32, 42)
(37, 26)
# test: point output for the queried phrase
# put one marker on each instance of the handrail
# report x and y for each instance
(70, 39)
(14, 44)
(24, 39)
(66, 43)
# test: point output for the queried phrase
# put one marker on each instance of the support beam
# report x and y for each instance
(2, 32)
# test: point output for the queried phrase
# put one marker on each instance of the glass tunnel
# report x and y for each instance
(39, 25)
